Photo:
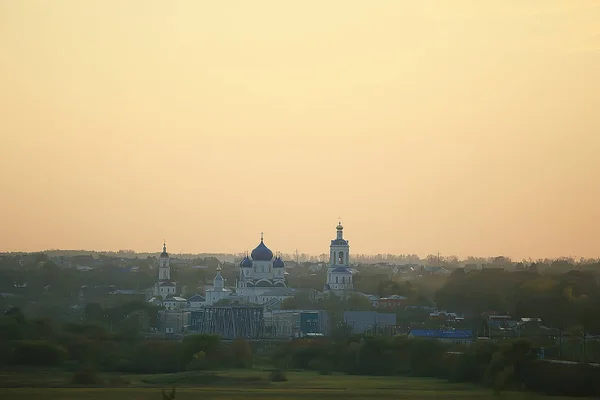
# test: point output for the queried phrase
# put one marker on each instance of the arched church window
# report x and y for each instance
(336, 279)
(262, 268)
(341, 257)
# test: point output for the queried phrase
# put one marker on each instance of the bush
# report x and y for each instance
(277, 375)
(158, 356)
(37, 352)
(199, 362)
(241, 353)
(303, 356)
(86, 377)
(375, 357)
(71, 366)
(426, 357)
(471, 365)
(210, 344)
(558, 379)
(168, 395)
(118, 381)
(122, 365)
(322, 365)
(503, 379)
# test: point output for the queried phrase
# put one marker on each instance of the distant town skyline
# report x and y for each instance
(464, 127)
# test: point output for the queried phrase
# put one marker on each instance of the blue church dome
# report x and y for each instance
(278, 263)
(262, 253)
(246, 262)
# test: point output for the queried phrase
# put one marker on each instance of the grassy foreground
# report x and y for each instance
(252, 384)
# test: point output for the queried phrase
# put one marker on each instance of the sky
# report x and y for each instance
(464, 127)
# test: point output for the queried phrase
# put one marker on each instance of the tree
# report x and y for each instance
(241, 352)
(94, 312)
(298, 302)
(358, 302)
(389, 288)
(38, 352)
(209, 344)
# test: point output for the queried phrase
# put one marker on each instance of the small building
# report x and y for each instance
(281, 324)
(296, 323)
(370, 321)
(276, 293)
(435, 270)
(174, 321)
(373, 299)
(174, 303)
(457, 336)
(166, 288)
(445, 316)
(533, 327)
(393, 301)
(196, 301)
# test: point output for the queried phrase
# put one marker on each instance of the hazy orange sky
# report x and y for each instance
(465, 127)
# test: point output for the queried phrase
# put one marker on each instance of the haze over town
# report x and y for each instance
(282, 199)
(464, 127)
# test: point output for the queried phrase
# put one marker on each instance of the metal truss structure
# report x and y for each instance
(231, 322)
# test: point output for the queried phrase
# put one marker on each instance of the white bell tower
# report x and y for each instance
(339, 250)
(164, 268)
(339, 275)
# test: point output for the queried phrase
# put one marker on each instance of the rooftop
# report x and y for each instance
(442, 334)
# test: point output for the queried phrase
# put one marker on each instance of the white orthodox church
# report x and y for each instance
(164, 286)
(260, 273)
(262, 276)
(339, 275)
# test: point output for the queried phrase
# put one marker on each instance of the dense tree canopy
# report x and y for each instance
(571, 298)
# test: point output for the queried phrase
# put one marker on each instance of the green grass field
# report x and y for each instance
(244, 384)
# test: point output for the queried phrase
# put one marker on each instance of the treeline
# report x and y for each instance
(564, 301)
(512, 365)
(92, 346)
(508, 366)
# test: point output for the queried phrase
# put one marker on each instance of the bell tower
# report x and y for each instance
(164, 268)
(339, 250)
(339, 275)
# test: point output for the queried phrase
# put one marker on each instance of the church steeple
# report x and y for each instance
(218, 281)
(340, 230)
(164, 253)
(339, 248)
(164, 269)
(339, 275)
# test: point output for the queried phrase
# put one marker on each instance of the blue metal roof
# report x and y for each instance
(278, 263)
(246, 262)
(442, 334)
(261, 253)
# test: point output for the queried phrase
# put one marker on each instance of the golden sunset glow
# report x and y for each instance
(465, 127)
